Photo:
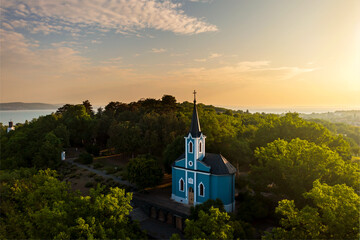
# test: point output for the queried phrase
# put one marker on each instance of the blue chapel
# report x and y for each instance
(198, 176)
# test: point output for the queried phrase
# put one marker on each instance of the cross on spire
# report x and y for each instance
(195, 124)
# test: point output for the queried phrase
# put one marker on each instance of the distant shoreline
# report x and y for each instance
(21, 106)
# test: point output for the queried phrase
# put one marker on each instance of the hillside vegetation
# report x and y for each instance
(283, 157)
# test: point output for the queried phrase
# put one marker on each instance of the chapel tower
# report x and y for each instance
(194, 141)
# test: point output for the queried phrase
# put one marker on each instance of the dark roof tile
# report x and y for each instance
(219, 165)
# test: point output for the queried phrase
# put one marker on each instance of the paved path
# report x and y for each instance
(100, 173)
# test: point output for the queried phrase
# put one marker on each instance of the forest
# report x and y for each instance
(301, 174)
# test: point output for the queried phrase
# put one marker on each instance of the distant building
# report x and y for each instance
(11, 127)
(198, 176)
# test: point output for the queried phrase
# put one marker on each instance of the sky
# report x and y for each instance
(254, 53)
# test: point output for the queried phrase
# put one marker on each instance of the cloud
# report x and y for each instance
(158, 50)
(202, 1)
(123, 16)
(239, 73)
(211, 56)
(7, 26)
(30, 72)
(200, 59)
(215, 55)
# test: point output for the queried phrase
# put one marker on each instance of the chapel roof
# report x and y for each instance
(217, 163)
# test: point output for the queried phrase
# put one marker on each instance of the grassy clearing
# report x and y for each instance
(355, 159)
(114, 164)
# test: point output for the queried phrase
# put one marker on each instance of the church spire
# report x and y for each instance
(195, 124)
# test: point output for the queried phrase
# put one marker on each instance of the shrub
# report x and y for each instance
(93, 149)
(99, 179)
(85, 158)
(144, 172)
(89, 184)
(111, 170)
(90, 175)
(98, 165)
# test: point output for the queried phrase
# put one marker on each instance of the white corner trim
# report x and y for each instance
(188, 170)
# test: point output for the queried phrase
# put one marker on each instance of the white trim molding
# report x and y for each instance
(203, 189)
(178, 199)
(198, 172)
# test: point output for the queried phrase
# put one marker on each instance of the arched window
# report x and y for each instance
(201, 189)
(190, 147)
(181, 185)
(200, 150)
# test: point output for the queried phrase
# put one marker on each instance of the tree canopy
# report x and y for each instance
(144, 172)
(149, 126)
(289, 168)
(39, 206)
(216, 224)
(334, 213)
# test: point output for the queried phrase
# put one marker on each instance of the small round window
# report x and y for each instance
(190, 163)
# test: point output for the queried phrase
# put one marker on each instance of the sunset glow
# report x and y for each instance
(273, 53)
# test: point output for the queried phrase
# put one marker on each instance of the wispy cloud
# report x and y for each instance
(158, 50)
(253, 71)
(215, 55)
(200, 59)
(202, 1)
(123, 16)
(53, 70)
(211, 56)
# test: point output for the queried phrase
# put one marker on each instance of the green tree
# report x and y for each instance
(172, 152)
(78, 122)
(205, 207)
(49, 154)
(144, 172)
(291, 126)
(88, 107)
(41, 207)
(212, 225)
(289, 168)
(334, 214)
(125, 137)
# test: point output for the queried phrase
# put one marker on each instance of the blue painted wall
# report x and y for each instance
(205, 179)
(180, 163)
(223, 187)
(176, 176)
(201, 167)
(190, 156)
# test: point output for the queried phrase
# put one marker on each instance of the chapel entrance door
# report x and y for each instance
(191, 196)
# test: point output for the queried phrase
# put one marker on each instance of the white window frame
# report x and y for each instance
(203, 190)
(181, 179)
(190, 180)
(191, 148)
(200, 147)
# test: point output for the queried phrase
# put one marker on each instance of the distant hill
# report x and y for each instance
(351, 117)
(27, 106)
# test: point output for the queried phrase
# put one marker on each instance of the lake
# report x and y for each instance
(20, 116)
